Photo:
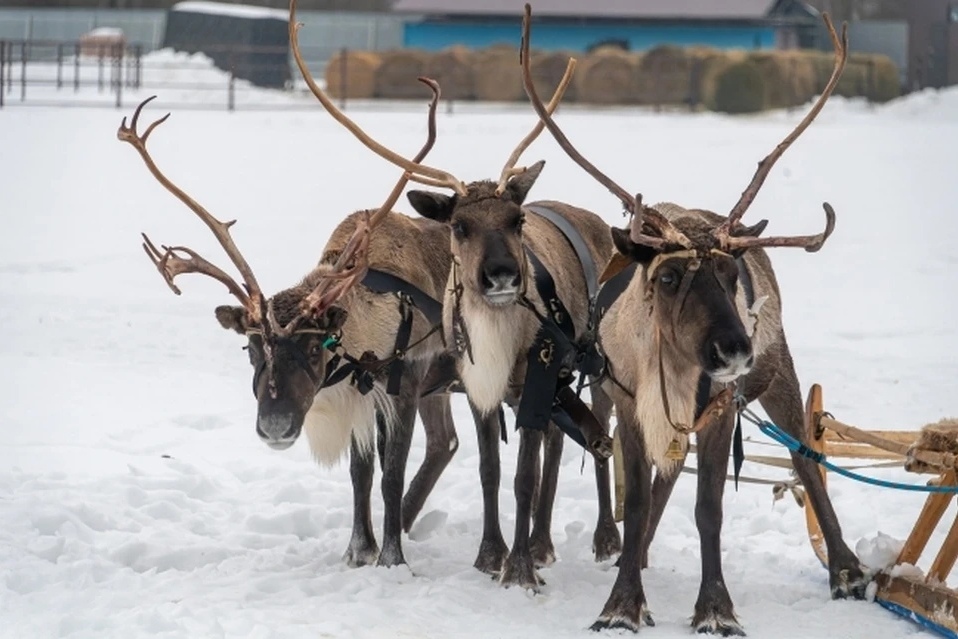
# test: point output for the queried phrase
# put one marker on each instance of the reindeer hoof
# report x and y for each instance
(521, 573)
(360, 555)
(718, 624)
(492, 554)
(543, 553)
(606, 542)
(849, 583)
(391, 556)
(601, 448)
(624, 622)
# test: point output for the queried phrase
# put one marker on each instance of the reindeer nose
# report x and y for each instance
(500, 275)
(278, 431)
(729, 357)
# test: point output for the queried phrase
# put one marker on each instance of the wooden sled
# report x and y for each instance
(925, 599)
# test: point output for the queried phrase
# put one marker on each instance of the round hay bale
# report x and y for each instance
(453, 69)
(396, 75)
(869, 75)
(707, 66)
(885, 82)
(607, 76)
(352, 75)
(665, 76)
(498, 74)
(740, 89)
(790, 77)
(547, 69)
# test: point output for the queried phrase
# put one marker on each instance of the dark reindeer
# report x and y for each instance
(684, 316)
(305, 343)
(492, 289)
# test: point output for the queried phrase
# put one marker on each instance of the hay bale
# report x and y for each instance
(885, 79)
(869, 75)
(547, 69)
(790, 77)
(453, 69)
(740, 89)
(665, 76)
(941, 437)
(359, 80)
(397, 73)
(707, 66)
(607, 76)
(498, 74)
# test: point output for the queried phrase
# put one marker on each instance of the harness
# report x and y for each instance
(556, 352)
(364, 370)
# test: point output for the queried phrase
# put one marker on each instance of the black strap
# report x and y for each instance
(382, 282)
(575, 239)
(398, 364)
(556, 311)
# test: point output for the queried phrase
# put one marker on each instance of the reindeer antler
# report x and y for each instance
(667, 234)
(167, 262)
(510, 168)
(418, 172)
(811, 243)
(351, 265)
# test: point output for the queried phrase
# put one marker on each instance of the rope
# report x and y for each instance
(776, 433)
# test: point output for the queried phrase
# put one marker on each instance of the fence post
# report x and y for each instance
(23, 71)
(76, 67)
(138, 52)
(3, 64)
(343, 68)
(59, 65)
(231, 92)
(119, 75)
(99, 69)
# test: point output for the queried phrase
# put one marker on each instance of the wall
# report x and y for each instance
(887, 37)
(433, 36)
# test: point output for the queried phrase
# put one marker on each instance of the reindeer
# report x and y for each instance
(494, 312)
(303, 344)
(685, 316)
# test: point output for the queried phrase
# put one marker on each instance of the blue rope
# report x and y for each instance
(789, 442)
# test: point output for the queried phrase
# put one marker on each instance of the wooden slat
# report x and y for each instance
(937, 603)
(814, 408)
(931, 513)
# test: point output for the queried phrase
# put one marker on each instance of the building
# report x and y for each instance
(632, 24)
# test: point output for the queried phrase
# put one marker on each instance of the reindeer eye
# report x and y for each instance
(316, 349)
(459, 230)
(667, 278)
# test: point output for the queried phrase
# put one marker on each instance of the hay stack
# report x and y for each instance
(873, 76)
(790, 77)
(359, 80)
(707, 66)
(607, 76)
(740, 88)
(547, 69)
(498, 74)
(396, 75)
(665, 76)
(453, 69)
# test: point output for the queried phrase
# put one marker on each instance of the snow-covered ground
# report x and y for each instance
(136, 499)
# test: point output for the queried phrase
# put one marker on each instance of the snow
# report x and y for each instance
(236, 10)
(137, 501)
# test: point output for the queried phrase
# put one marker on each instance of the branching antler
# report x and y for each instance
(666, 233)
(418, 172)
(510, 168)
(167, 262)
(811, 243)
(351, 265)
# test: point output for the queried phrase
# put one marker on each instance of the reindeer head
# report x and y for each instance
(486, 233)
(292, 335)
(689, 265)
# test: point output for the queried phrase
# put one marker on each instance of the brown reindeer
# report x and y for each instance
(683, 317)
(304, 341)
(492, 289)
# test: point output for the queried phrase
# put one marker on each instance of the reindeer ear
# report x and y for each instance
(519, 185)
(626, 247)
(749, 231)
(435, 206)
(232, 318)
(334, 318)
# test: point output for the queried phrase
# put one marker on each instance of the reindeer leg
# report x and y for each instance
(441, 445)
(540, 543)
(398, 442)
(782, 401)
(626, 606)
(714, 612)
(519, 568)
(492, 548)
(662, 487)
(362, 549)
(606, 542)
